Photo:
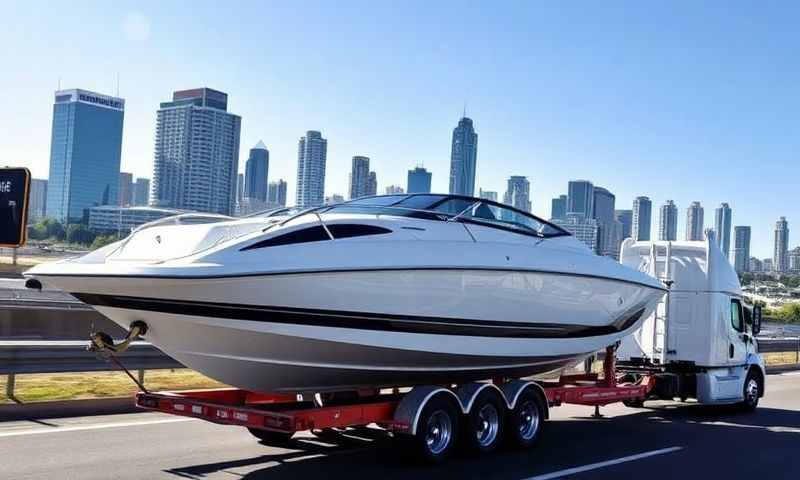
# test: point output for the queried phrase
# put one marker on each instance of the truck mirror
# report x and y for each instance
(756, 319)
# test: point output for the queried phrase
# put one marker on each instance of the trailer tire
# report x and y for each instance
(437, 431)
(752, 392)
(271, 438)
(484, 424)
(526, 420)
(634, 403)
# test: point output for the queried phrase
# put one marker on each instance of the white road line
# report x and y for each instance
(36, 431)
(607, 463)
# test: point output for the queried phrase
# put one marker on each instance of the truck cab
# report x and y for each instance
(700, 341)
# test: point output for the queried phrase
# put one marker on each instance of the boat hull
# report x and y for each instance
(326, 331)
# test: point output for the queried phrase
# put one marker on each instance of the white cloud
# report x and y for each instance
(136, 27)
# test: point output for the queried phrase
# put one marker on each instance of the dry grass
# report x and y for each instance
(73, 386)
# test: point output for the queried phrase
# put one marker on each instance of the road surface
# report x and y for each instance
(667, 440)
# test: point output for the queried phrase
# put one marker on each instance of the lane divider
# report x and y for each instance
(607, 463)
(78, 428)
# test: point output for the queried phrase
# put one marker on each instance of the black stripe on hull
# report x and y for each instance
(362, 320)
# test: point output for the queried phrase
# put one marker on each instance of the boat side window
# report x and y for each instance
(454, 206)
(737, 319)
(317, 234)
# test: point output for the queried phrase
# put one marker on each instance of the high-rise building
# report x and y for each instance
(463, 158)
(584, 229)
(625, 217)
(558, 207)
(641, 218)
(141, 192)
(668, 221)
(359, 177)
(755, 265)
(722, 228)
(125, 189)
(256, 172)
(85, 150)
(239, 187)
(780, 259)
(694, 222)
(312, 152)
(794, 260)
(741, 249)
(37, 201)
(197, 152)
(277, 193)
(518, 193)
(767, 266)
(580, 198)
(333, 199)
(394, 190)
(419, 181)
(487, 194)
(372, 184)
(609, 230)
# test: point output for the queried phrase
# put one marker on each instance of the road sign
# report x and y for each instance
(15, 185)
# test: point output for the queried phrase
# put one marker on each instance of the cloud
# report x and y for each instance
(136, 27)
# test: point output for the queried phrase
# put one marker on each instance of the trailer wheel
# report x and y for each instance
(484, 424)
(437, 430)
(634, 403)
(752, 392)
(271, 438)
(526, 420)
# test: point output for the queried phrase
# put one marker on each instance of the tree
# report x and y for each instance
(53, 228)
(101, 241)
(80, 234)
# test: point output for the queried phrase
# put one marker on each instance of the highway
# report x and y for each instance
(665, 440)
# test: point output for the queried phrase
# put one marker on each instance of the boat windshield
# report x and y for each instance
(452, 208)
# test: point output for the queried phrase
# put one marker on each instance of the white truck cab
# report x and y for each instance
(700, 342)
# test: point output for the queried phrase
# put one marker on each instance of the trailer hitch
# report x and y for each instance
(103, 343)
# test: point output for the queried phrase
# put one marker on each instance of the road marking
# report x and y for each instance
(36, 431)
(607, 463)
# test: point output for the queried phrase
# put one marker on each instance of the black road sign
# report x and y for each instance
(15, 185)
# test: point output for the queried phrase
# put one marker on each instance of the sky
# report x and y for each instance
(674, 100)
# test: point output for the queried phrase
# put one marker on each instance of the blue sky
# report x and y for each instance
(674, 100)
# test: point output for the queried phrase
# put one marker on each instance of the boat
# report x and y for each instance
(391, 290)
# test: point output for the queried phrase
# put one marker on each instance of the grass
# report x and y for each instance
(73, 386)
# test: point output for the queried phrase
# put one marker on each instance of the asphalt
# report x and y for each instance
(664, 440)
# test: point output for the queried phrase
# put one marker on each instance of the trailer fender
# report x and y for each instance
(468, 392)
(755, 360)
(512, 390)
(410, 407)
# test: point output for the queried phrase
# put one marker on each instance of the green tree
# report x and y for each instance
(80, 234)
(101, 241)
(53, 228)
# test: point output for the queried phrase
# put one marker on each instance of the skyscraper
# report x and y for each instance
(141, 192)
(580, 198)
(584, 229)
(312, 152)
(419, 181)
(641, 218)
(694, 222)
(487, 194)
(372, 184)
(558, 207)
(239, 187)
(256, 172)
(197, 152)
(780, 260)
(722, 228)
(125, 189)
(463, 158)
(359, 177)
(741, 249)
(668, 221)
(277, 193)
(518, 193)
(85, 150)
(609, 229)
(37, 201)
(394, 190)
(625, 217)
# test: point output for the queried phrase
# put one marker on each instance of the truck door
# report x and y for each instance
(739, 338)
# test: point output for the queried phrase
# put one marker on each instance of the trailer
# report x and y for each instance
(428, 420)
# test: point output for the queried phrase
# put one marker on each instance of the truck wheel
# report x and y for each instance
(634, 403)
(752, 392)
(483, 427)
(271, 438)
(526, 420)
(437, 430)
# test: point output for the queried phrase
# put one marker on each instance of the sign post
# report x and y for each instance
(15, 184)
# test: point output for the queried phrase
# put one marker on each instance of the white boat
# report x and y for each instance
(383, 291)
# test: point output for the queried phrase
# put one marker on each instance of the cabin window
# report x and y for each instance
(737, 319)
(317, 234)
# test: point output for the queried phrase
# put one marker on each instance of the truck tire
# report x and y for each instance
(752, 391)
(526, 420)
(271, 438)
(484, 424)
(437, 431)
